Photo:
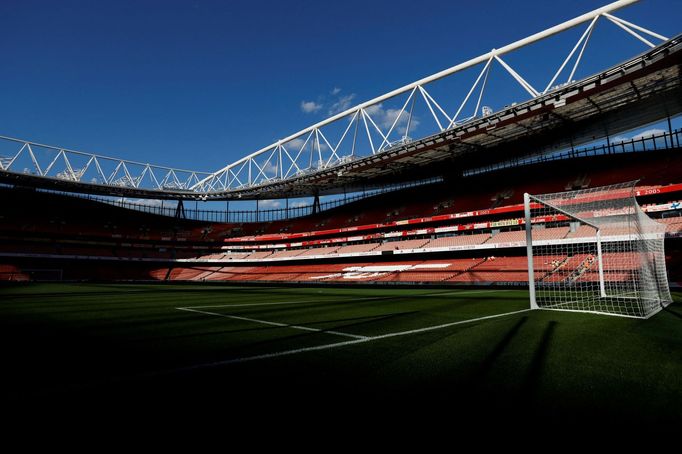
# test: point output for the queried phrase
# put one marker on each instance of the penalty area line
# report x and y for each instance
(351, 342)
(266, 322)
(345, 300)
(280, 303)
(445, 325)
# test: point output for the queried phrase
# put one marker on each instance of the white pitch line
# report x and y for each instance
(266, 322)
(245, 305)
(467, 292)
(357, 341)
(445, 325)
(336, 300)
(277, 354)
(345, 300)
(284, 302)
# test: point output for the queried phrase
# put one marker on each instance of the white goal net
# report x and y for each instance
(595, 250)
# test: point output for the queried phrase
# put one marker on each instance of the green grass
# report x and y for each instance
(129, 343)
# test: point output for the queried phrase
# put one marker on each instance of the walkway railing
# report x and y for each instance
(655, 142)
(170, 208)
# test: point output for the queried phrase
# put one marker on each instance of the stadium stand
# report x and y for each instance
(397, 245)
(289, 253)
(509, 237)
(319, 251)
(674, 224)
(459, 240)
(259, 255)
(355, 248)
(464, 231)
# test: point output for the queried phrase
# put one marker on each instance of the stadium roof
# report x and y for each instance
(642, 90)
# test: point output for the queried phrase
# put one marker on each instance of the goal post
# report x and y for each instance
(595, 250)
(529, 251)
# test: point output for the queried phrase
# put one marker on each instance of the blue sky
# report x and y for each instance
(198, 84)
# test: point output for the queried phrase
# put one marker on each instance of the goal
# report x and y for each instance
(595, 250)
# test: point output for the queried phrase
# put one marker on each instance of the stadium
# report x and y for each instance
(490, 238)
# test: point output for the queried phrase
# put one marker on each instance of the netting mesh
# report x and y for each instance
(609, 259)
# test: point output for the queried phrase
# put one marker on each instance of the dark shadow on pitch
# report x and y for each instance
(478, 376)
(537, 365)
(675, 313)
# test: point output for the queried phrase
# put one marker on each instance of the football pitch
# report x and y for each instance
(479, 351)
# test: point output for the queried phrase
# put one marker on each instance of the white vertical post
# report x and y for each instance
(280, 164)
(529, 252)
(600, 262)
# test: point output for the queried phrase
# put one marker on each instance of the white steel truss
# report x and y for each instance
(30, 158)
(360, 118)
(359, 131)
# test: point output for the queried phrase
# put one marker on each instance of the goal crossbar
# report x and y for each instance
(604, 254)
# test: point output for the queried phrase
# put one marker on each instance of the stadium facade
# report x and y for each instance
(443, 209)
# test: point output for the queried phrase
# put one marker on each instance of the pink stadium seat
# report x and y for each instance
(406, 244)
(319, 251)
(459, 240)
(509, 237)
(357, 248)
(286, 253)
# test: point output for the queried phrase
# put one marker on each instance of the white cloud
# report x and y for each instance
(333, 102)
(384, 118)
(269, 204)
(150, 202)
(299, 205)
(341, 104)
(649, 133)
(641, 135)
(303, 160)
(294, 145)
(310, 106)
(270, 168)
